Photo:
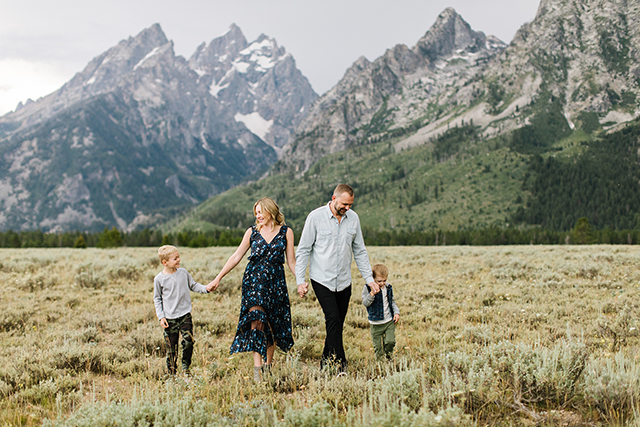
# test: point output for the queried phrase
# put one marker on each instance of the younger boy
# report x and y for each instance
(383, 312)
(173, 306)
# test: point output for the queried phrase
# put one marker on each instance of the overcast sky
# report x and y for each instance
(44, 43)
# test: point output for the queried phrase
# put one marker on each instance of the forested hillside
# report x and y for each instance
(457, 182)
(601, 184)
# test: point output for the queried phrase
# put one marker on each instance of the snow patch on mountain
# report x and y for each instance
(148, 55)
(241, 67)
(216, 88)
(255, 123)
(260, 53)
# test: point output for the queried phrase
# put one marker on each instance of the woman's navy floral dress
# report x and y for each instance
(264, 285)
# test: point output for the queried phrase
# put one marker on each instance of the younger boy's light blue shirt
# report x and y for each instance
(328, 247)
(171, 293)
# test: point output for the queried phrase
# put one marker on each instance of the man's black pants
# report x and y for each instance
(335, 306)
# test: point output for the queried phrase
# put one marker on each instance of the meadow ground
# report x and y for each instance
(526, 335)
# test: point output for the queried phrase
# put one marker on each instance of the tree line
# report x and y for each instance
(110, 238)
(581, 233)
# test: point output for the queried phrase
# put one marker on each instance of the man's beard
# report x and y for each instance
(340, 211)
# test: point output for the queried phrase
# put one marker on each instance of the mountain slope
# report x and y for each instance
(575, 58)
(405, 88)
(141, 129)
(461, 132)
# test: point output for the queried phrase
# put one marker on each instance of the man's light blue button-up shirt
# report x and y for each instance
(327, 246)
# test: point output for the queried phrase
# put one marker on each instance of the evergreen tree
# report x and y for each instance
(80, 243)
(582, 233)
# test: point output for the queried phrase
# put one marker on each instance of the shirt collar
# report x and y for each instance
(331, 215)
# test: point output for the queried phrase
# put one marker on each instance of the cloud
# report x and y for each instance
(22, 79)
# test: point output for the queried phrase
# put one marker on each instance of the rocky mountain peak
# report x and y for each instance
(101, 74)
(152, 36)
(220, 50)
(396, 91)
(121, 59)
(544, 7)
(257, 80)
(449, 34)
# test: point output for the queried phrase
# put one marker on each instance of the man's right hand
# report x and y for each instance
(164, 323)
(303, 288)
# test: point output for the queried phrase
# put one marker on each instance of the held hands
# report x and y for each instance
(374, 288)
(303, 288)
(213, 285)
(164, 323)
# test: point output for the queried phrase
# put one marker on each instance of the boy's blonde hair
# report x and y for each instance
(379, 270)
(165, 252)
(269, 205)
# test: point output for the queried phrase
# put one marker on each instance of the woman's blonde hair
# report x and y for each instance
(268, 205)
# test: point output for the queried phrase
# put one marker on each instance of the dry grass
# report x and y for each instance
(530, 335)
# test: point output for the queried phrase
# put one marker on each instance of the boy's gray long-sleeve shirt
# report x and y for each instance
(328, 247)
(171, 293)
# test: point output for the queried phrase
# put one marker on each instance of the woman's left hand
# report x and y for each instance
(213, 285)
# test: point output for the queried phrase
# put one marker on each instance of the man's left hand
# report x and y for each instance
(374, 287)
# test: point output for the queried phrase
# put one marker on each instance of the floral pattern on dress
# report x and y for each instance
(264, 285)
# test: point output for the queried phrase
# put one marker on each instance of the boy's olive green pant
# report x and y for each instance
(384, 339)
(180, 326)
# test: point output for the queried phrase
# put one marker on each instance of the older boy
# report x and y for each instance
(173, 306)
(383, 312)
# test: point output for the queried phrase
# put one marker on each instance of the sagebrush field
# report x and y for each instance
(521, 335)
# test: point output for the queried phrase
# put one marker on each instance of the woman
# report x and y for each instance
(265, 314)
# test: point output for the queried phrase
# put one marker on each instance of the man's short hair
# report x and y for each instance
(379, 270)
(343, 188)
(165, 252)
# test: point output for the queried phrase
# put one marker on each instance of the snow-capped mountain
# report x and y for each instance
(141, 129)
(258, 80)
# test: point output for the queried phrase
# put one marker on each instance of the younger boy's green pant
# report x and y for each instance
(384, 339)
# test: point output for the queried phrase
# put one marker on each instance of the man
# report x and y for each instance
(330, 237)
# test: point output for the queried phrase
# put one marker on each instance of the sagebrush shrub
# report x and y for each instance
(612, 386)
